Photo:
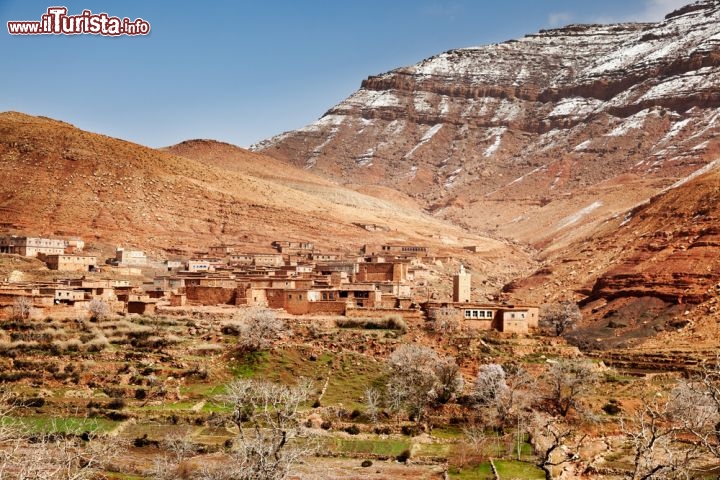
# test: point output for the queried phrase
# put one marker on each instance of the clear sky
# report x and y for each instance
(242, 71)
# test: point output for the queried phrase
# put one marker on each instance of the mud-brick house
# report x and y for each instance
(173, 265)
(268, 260)
(382, 272)
(141, 304)
(306, 301)
(328, 268)
(31, 246)
(200, 265)
(240, 259)
(324, 257)
(167, 283)
(70, 263)
(293, 247)
(222, 250)
(396, 250)
(210, 289)
(100, 289)
(68, 296)
(129, 257)
(482, 316)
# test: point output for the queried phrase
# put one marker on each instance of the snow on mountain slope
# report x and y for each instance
(538, 127)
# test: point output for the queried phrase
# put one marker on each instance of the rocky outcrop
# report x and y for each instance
(532, 139)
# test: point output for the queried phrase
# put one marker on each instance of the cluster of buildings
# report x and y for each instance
(59, 254)
(295, 276)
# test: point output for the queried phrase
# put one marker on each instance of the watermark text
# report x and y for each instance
(57, 22)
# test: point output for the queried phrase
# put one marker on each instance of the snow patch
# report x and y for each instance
(507, 111)
(498, 133)
(575, 217)
(450, 180)
(444, 105)
(582, 146)
(326, 121)
(421, 100)
(632, 122)
(429, 133)
(710, 166)
(675, 129)
(520, 179)
(366, 158)
(575, 107)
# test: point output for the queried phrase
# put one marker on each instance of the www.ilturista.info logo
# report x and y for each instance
(57, 22)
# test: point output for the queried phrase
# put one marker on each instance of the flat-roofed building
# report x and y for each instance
(71, 263)
(32, 246)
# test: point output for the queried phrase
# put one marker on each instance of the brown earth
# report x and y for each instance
(557, 141)
(655, 270)
(59, 180)
(538, 139)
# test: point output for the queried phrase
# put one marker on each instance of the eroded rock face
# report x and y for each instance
(533, 138)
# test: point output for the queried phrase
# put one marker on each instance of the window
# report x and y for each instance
(467, 313)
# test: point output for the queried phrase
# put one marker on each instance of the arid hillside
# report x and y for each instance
(59, 180)
(537, 139)
(655, 270)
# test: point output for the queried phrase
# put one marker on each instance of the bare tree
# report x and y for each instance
(420, 377)
(652, 434)
(99, 309)
(266, 415)
(698, 405)
(559, 317)
(555, 441)
(504, 395)
(444, 321)
(63, 455)
(568, 380)
(21, 308)
(372, 403)
(490, 383)
(176, 450)
(258, 328)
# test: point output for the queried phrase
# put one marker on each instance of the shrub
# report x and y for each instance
(410, 430)
(116, 404)
(391, 322)
(366, 463)
(352, 430)
(404, 456)
(34, 402)
(611, 407)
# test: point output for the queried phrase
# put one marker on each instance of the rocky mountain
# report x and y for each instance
(538, 139)
(60, 180)
(655, 270)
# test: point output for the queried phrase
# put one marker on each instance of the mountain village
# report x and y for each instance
(296, 277)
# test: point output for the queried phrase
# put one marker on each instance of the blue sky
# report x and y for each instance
(241, 71)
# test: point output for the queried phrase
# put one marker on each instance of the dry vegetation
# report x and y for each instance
(177, 390)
